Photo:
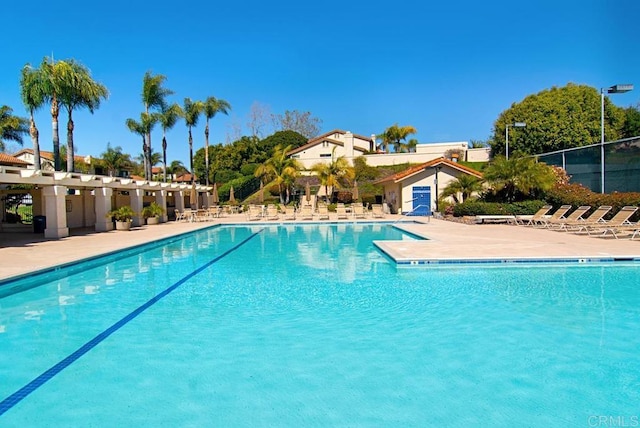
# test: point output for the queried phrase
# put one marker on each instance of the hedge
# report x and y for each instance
(474, 207)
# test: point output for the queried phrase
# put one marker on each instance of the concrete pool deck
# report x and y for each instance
(21, 253)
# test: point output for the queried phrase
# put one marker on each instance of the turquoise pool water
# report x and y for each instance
(312, 326)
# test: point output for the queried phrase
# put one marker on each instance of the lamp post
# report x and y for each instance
(506, 134)
(435, 181)
(615, 89)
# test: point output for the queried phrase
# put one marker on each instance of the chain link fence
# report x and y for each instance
(583, 164)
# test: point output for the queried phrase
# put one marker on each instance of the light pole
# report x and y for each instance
(506, 134)
(615, 89)
(435, 181)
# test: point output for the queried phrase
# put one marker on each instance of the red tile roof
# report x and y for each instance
(49, 155)
(434, 162)
(9, 160)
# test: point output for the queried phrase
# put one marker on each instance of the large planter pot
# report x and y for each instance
(123, 225)
(153, 220)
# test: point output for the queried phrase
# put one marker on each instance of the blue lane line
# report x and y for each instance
(23, 392)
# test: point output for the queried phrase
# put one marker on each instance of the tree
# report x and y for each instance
(334, 174)
(477, 144)
(557, 118)
(113, 159)
(12, 128)
(301, 122)
(51, 74)
(210, 108)
(168, 117)
(464, 185)
(631, 126)
(153, 98)
(177, 167)
(282, 139)
(32, 92)
(396, 135)
(78, 89)
(192, 110)
(281, 170)
(142, 128)
(258, 118)
(518, 177)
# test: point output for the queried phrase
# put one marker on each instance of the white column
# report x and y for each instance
(135, 196)
(56, 211)
(103, 206)
(161, 199)
(179, 198)
(89, 211)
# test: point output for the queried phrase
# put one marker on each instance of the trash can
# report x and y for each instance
(39, 223)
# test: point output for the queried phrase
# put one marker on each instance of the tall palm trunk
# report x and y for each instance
(70, 149)
(193, 176)
(55, 110)
(33, 132)
(206, 151)
(164, 156)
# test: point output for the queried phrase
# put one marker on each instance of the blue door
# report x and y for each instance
(421, 201)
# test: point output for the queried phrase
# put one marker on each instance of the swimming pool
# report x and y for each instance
(311, 325)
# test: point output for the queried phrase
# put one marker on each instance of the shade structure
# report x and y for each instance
(193, 197)
(355, 194)
(261, 192)
(307, 192)
(232, 197)
(214, 197)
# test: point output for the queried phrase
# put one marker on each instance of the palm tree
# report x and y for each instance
(211, 107)
(33, 97)
(168, 117)
(192, 110)
(153, 97)
(396, 135)
(12, 128)
(411, 145)
(463, 184)
(52, 74)
(142, 128)
(335, 173)
(518, 174)
(280, 169)
(113, 159)
(78, 89)
(176, 167)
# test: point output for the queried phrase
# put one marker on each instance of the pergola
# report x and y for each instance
(97, 193)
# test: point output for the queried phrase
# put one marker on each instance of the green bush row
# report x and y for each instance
(474, 207)
(576, 195)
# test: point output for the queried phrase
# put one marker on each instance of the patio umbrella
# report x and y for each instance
(307, 192)
(355, 195)
(261, 192)
(232, 198)
(193, 197)
(215, 198)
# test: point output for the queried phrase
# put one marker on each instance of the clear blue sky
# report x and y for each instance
(448, 69)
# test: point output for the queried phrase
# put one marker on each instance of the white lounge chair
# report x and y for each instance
(323, 212)
(306, 213)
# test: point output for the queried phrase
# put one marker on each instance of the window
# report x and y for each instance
(295, 156)
(325, 144)
(325, 155)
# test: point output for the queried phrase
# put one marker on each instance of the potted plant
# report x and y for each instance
(152, 213)
(122, 216)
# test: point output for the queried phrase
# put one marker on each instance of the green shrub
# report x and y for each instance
(473, 208)
(576, 195)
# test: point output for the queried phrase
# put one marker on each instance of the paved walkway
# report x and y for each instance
(21, 253)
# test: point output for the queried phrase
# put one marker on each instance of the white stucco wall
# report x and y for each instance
(478, 155)
(404, 189)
